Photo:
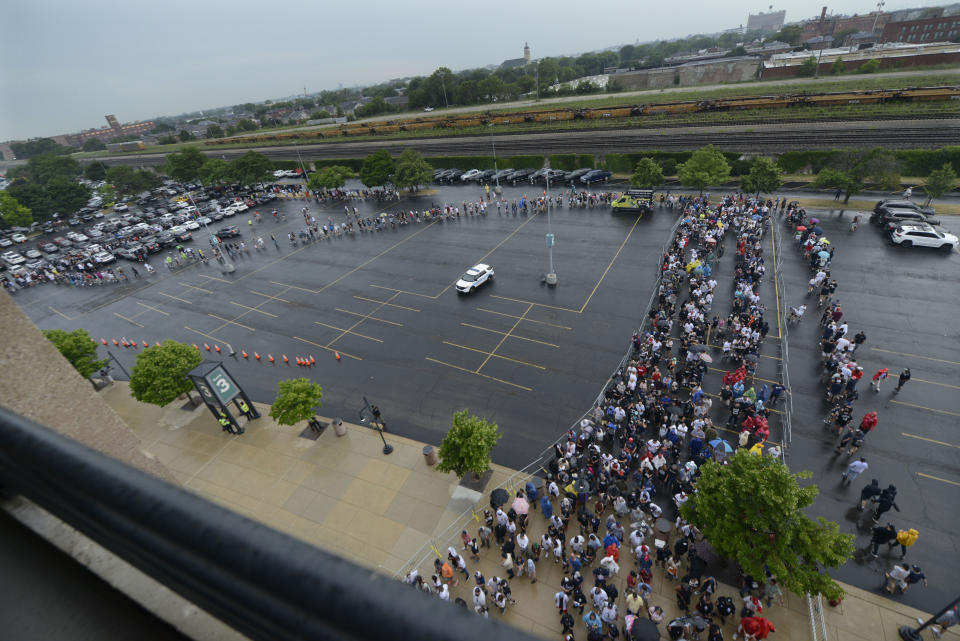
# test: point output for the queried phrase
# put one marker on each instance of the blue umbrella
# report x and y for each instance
(823, 255)
(719, 442)
(817, 230)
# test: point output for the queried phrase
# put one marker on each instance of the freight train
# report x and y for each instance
(478, 119)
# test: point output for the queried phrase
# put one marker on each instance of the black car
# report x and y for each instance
(556, 177)
(185, 235)
(595, 176)
(501, 175)
(215, 215)
(577, 173)
(447, 173)
(150, 244)
(73, 222)
(166, 239)
(519, 176)
(453, 176)
(902, 204)
(230, 231)
(888, 215)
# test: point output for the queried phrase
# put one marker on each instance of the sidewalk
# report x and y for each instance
(343, 495)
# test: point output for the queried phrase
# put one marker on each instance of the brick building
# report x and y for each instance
(115, 130)
(940, 29)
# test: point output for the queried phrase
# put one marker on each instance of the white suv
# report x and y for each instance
(923, 235)
(474, 277)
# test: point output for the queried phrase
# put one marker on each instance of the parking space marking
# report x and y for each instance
(303, 289)
(374, 300)
(369, 317)
(505, 337)
(197, 331)
(523, 338)
(529, 302)
(254, 309)
(228, 321)
(206, 291)
(528, 320)
(924, 407)
(347, 331)
(182, 300)
(222, 280)
(930, 440)
(282, 300)
(489, 354)
(920, 380)
(329, 349)
(929, 358)
(937, 478)
(403, 291)
(469, 371)
(610, 264)
(159, 311)
(129, 320)
(60, 313)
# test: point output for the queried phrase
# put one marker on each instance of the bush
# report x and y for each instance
(870, 66)
(569, 162)
(352, 163)
(286, 164)
(913, 162)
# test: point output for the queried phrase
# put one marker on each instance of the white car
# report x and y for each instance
(204, 220)
(192, 225)
(474, 277)
(18, 238)
(469, 175)
(120, 207)
(6, 242)
(923, 235)
(102, 258)
(13, 258)
(279, 173)
(33, 253)
(240, 207)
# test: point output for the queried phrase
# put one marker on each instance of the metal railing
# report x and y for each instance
(818, 627)
(787, 415)
(263, 583)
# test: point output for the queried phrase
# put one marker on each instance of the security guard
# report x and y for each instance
(225, 423)
(244, 408)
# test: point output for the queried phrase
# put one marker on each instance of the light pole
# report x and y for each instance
(374, 417)
(880, 6)
(551, 277)
(496, 175)
(913, 634)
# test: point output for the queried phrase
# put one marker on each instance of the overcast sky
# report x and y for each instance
(67, 63)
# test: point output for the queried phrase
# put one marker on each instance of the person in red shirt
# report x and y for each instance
(754, 628)
(880, 376)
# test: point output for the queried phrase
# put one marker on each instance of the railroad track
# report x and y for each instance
(765, 138)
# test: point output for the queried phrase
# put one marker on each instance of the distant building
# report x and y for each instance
(826, 25)
(115, 130)
(526, 52)
(766, 22)
(891, 55)
(939, 29)
(398, 101)
(514, 63)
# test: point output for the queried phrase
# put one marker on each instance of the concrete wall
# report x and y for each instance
(713, 72)
(899, 62)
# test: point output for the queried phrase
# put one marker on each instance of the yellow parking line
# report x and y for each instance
(206, 291)
(937, 478)
(403, 291)
(527, 302)
(468, 371)
(929, 358)
(182, 300)
(924, 407)
(930, 440)
(197, 331)
(304, 289)
(329, 349)
(612, 260)
(129, 320)
(920, 380)
(61, 313)
(366, 316)
(254, 309)
(159, 311)
(347, 331)
(528, 320)
(374, 300)
(231, 322)
(222, 280)
(506, 358)
(505, 337)
(523, 338)
(282, 300)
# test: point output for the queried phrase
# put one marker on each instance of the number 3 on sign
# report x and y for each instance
(223, 384)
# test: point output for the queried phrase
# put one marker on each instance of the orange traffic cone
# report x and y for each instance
(217, 348)
(244, 354)
(206, 347)
(134, 344)
(256, 356)
(298, 361)
(336, 355)
(195, 346)
(285, 359)
(124, 342)
(157, 343)
(103, 340)
(270, 358)
(146, 344)
(313, 361)
(115, 343)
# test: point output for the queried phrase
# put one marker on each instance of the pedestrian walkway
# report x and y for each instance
(343, 495)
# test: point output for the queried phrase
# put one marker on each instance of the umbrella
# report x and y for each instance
(498, 497)
(520, 505)
(814, 220)
(644, 630)
(824, 255)
(824, 241)
(817, 231)
(697, 348)
(801, 228)
(751, 357)
(706, 358)
(718, 443)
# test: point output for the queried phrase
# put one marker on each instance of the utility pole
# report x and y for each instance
(551, 277)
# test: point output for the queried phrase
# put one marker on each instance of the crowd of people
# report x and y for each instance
(616, 482)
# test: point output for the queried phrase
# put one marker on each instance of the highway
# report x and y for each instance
(766, 138)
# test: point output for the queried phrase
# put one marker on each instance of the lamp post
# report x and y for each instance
(374, 418)
(496, 175)
(913, 634)
(551, 277)
(880, 6)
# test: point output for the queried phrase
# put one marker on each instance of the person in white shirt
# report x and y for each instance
(479, 601)
(853, 470)
(561, 599)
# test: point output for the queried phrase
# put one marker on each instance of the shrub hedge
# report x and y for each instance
(913, 162)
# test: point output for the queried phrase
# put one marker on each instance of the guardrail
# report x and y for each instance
(818, 627)
(263, 583)
(787, 415)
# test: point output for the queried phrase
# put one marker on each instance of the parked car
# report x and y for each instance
(120, 207)
(33, 254)
(454, 176)
(470, 175)
(902, 204)
(519, 176)
(577, 173)
(18, 238)
(104, 257)
(49, 248)
(5, 242)
(183, 236)
(229, 231)
(474, 277)
(595, 176)
(486, 175)
(919, 234)
(556, 177)
(889, 218)
(501, 175)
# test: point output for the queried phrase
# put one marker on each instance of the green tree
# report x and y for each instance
(838, 67)
(123, 178)
(184, 165)
(214, 171)
(214, 131)
(107, 193)
(95, 171)
(751, 510)
(467, 445)
(298, 399)
(78, 348)
(93, 144)
(160, 374)
(627, 54)
(45, 167)
(377, 168)
(12, 213)
(37, 147)
(161, 127)
(332, 177)
(185, 135)
(251, 168)
(34, 197)
(808, 68)
(870, 66)
(707, 166)
(319, 115)
(790, 34)
(167, 140)
(764, 177)
(939, 182)
(67, 195)
(830, 178)
(412, 171)
(647, 174)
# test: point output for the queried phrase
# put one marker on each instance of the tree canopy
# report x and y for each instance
(93, 144)
(751, 510)
(764, 177)
(412, 171)
(214, 171)
(647, 174)
(377, 168)
(251, 168)
(37, 147)
(184, 165)
(706, 166)
(160, 374)
(467, 445)
(78, 348)
(298, 399)
(332, 177)
(940, 181)
(128, 180)
(12, 213)
(849, 171)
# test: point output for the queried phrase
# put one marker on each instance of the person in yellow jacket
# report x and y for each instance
(905, 538)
